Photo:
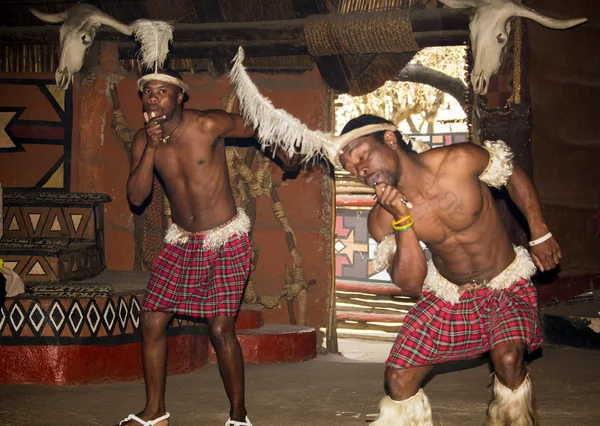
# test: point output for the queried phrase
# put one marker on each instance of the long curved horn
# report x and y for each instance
(557, 24)
(101, 18)
(54, 18)
(459, 4)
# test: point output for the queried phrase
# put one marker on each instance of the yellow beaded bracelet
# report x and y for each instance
(404, 227)
(399, 221)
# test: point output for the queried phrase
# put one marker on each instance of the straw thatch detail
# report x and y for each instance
(389, 31)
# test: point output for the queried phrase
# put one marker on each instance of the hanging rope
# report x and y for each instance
(249, 184)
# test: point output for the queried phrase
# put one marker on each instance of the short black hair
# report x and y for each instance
(366, 119)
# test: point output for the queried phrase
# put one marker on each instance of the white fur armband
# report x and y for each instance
(500, 166)
(384, 250)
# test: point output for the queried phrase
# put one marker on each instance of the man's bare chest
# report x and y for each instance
(447, 210)
(184, 158)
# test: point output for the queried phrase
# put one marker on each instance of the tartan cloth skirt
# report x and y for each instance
(190, 280)
(436, 331)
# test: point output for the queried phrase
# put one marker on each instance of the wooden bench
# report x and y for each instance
(53, 236)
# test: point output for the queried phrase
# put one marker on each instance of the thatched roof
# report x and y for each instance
(345, 73)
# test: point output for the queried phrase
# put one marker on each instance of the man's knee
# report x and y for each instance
(401, 384)
(509, 362)
(221, 329)
(153, 324)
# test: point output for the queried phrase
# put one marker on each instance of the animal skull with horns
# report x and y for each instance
(76, 36)
(489, 29)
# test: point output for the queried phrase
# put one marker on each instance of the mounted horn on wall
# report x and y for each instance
(490, 27)
(76, 36)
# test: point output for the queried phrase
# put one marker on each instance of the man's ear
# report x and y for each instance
(180, 96)
(389, 138)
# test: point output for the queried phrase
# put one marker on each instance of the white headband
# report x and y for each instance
(162, 77)
(335, 145)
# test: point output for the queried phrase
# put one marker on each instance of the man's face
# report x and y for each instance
(161, 98)
(372, 162)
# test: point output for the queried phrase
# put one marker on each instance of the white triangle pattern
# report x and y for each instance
(10, 264)
(35, 220)
(56, 225)
(37, 269)
(14, 225)
(76, 218)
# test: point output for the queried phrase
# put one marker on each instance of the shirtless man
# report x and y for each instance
(203, 269)
(475, 295)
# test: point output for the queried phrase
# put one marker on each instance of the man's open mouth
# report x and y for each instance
(375, 179)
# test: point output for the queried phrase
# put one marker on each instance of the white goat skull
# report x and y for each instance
(490, 27)
(76, 36)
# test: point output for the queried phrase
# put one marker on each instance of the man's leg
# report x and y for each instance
(231, 362)
(513, 402)
(154, 360)
(406, 403)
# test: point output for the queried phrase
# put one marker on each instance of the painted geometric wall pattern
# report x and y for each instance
(49, 222)
(36, 268)
(64, 261)
(74, 320)
(32, 123)
(53, 236)
(354, 248)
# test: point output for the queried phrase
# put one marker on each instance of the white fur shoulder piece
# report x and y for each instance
(384, 250)
(500, 166)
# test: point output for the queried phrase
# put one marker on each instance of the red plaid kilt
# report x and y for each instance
(190, 280)
(435, 331)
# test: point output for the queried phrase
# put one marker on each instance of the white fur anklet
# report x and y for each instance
(414, 411)
(513, 407)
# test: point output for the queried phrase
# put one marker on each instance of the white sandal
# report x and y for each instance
(146, 423)
(230, 422)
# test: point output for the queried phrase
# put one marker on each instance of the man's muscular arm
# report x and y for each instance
(408, 267)
(234, 126)
(546, 255)
(521, 190)
(141, 177)
(227, 125)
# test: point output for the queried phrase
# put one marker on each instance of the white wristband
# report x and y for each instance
(541, 239)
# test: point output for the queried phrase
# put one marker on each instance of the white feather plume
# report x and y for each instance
(154, 38)
(276, 128)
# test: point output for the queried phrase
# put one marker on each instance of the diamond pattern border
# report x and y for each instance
(3, 319)
(72, 318)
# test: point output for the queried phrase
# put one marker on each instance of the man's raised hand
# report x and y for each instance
(392, 200)
(154, 130)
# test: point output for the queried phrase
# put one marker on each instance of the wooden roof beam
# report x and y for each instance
(431, 27)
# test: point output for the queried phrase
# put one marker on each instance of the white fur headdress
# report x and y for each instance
(154, 38)
(278, 129)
